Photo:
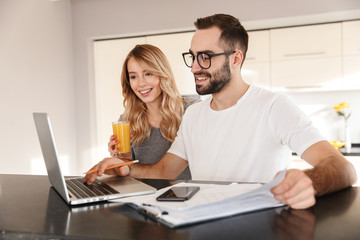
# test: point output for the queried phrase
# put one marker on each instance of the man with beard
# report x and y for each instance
(242, 132)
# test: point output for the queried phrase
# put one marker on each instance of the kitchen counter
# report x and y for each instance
(355, 150)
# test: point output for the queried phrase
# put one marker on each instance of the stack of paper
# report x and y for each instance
(211, 202)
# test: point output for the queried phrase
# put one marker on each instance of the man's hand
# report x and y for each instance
(102, 165)
(296, 190)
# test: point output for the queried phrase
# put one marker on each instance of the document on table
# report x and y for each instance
(211, 202)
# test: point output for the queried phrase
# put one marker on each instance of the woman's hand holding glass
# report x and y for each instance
(113, 150)
(111, 145)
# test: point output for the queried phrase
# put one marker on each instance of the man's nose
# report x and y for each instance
(195, 67)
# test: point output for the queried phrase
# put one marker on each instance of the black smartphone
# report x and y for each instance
(178, 194)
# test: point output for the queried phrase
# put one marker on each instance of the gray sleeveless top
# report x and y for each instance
(151, 150)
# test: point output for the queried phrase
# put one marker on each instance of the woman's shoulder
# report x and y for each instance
(190, 100)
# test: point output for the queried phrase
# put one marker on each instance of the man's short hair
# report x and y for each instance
(233, 35)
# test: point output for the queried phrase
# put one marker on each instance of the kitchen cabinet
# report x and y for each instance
(256, 68)
(351, 38)
(351, 76)
(307, 75)
(307, 57)
(306, 42)
(351, 54)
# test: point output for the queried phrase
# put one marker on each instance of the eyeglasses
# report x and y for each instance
(203, 59)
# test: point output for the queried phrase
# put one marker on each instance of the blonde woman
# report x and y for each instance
(153, 105)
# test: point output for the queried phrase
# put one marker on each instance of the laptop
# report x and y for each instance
(73, 190)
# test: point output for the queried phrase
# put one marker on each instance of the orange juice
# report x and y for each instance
(122, 131)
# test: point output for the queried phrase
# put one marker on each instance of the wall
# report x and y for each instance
(36, 74)
(112, 18)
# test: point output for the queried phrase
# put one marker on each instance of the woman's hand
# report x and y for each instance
(111, 146)
(101, 167)
(113, 150)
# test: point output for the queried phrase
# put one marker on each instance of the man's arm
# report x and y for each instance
(169, 167)
(330, 172)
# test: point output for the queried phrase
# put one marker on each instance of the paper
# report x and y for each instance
(212, 201)
(208, 193)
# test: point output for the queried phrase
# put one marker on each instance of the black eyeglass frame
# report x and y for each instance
(197, 57)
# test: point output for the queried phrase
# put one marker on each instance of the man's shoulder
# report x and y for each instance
(262, 94)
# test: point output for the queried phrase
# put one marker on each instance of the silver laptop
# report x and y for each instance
(73, 190)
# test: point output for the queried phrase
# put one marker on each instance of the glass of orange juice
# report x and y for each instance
(121, 130)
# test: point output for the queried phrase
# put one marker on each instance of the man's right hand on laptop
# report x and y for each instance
(101, 167)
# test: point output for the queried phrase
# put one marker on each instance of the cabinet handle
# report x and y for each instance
(304, 54)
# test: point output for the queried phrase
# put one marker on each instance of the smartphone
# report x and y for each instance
(178, 194)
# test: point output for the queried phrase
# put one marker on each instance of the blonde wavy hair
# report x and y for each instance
(152, 59)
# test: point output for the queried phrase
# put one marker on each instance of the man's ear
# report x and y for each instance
(238, 58)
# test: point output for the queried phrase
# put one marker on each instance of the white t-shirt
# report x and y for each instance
(249, 141)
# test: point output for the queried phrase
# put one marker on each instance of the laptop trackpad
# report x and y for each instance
(125, 184)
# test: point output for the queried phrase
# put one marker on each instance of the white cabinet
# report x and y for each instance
(256, 68)
(351, 54)
(306, 42)
(307, 74)
(351, 72)
(173, 45)
(351, 38)
(307, 57)
(258, 47)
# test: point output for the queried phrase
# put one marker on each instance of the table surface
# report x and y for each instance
(31, 209)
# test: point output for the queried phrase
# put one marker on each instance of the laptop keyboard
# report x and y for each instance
(81, 190)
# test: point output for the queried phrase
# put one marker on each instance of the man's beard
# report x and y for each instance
(218, 80)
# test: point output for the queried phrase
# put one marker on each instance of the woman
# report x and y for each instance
(153, 105)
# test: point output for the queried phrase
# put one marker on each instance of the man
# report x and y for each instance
(242, 133)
